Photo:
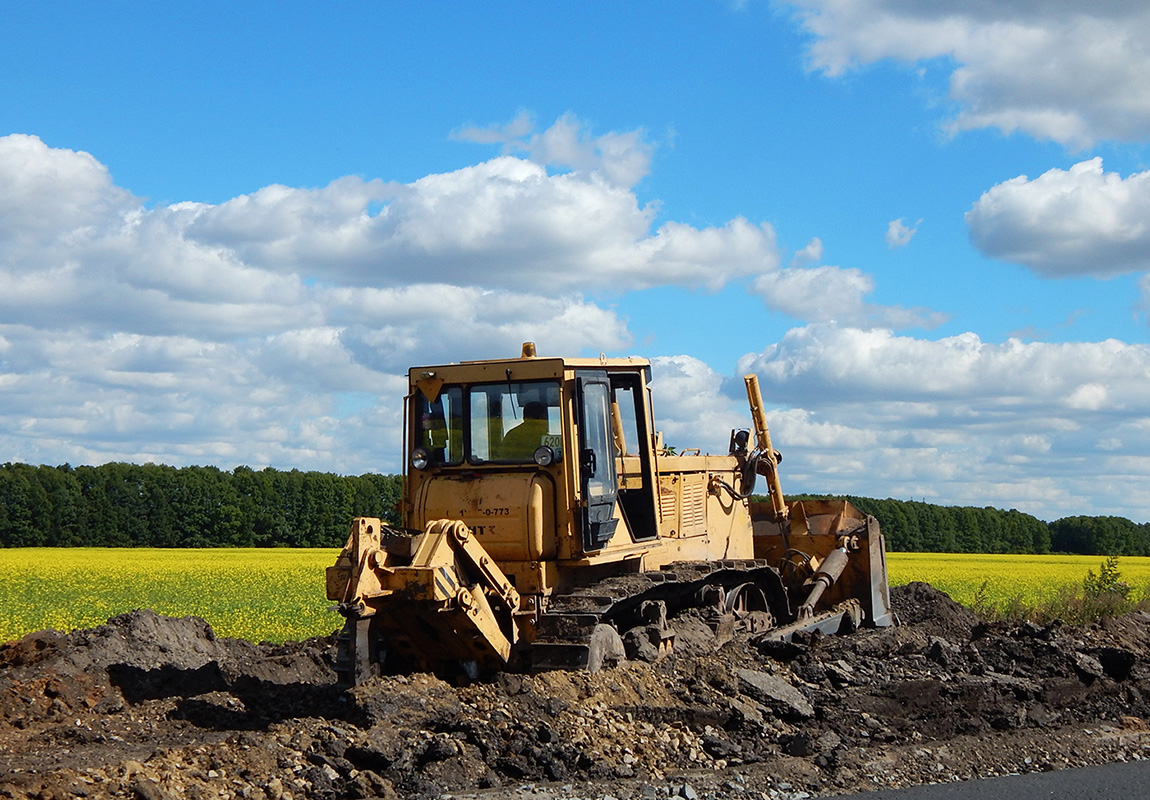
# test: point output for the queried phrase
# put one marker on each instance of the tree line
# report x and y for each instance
(911, 527)
(151, 505)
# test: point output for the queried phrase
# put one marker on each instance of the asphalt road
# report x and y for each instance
(1127, 781)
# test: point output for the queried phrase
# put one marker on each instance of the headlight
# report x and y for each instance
(420, 458)
(544, 456)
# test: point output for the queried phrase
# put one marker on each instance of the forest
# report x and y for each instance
(151, 505)
(917, 527)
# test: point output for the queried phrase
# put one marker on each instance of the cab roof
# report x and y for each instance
(535, 365)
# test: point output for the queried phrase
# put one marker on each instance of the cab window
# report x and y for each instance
(510, 421)
(439, 425)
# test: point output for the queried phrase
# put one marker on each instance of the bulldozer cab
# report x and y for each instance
(544, 458)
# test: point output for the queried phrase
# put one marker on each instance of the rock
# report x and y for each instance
(942, 652)
(146, 789)
(1040, 716)
(781, 650)
(440, 748)
(806, 744)
(720, 748)
(744, 713)
(1088, 667)
(274, 789)
(638, 646)
(775, 692)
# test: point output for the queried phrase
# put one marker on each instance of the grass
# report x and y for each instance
(278, 594)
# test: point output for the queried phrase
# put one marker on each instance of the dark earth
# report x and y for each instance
(153, 707)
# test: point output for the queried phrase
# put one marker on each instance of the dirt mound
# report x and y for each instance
(930, 610)
(142, 655)
(154, 707)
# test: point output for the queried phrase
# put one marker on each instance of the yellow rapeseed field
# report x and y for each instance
(278, 594)
(256, 594)
(1028, 578)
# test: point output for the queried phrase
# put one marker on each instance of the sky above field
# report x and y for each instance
(227, 230)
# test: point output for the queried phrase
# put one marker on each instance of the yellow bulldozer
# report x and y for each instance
(544, 525)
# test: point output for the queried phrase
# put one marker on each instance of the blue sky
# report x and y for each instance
(226, 230)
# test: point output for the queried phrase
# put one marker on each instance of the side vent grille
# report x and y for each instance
(694, 504)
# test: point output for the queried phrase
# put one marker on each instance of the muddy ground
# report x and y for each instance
(152, 707)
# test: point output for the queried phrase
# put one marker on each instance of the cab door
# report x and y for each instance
(597, 480)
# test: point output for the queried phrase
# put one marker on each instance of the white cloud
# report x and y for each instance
(391, 329)
(811, 254)
(835, 294)
(233, 332)
(1035, 426)
(505, 223)
(275, 328)
(1080, 221)
(1052, 430)
(623, 158)
(690, 407)
(875, 363)
(52, 198)
(1062, 70)
(512, 133)
(898, 233)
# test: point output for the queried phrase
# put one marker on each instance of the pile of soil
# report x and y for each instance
(153, 707)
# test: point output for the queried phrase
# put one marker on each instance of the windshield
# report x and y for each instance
(504, 422)
(510, 421)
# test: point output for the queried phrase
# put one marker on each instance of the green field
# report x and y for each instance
(278, 594)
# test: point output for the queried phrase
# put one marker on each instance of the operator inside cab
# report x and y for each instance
(521, 441)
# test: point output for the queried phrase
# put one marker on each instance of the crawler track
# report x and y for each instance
(594, 625)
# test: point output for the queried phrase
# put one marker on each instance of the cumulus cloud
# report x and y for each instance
(1065, 71)
(1080, 221)
(898, 233)
(811, 254)
(275, 328)
(875, 363)
(52, 198)
(690, 407)
(835, 294)
(505, 223)
(1036, 426)
(245, 330)
(623, 158)
(1049, 429)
